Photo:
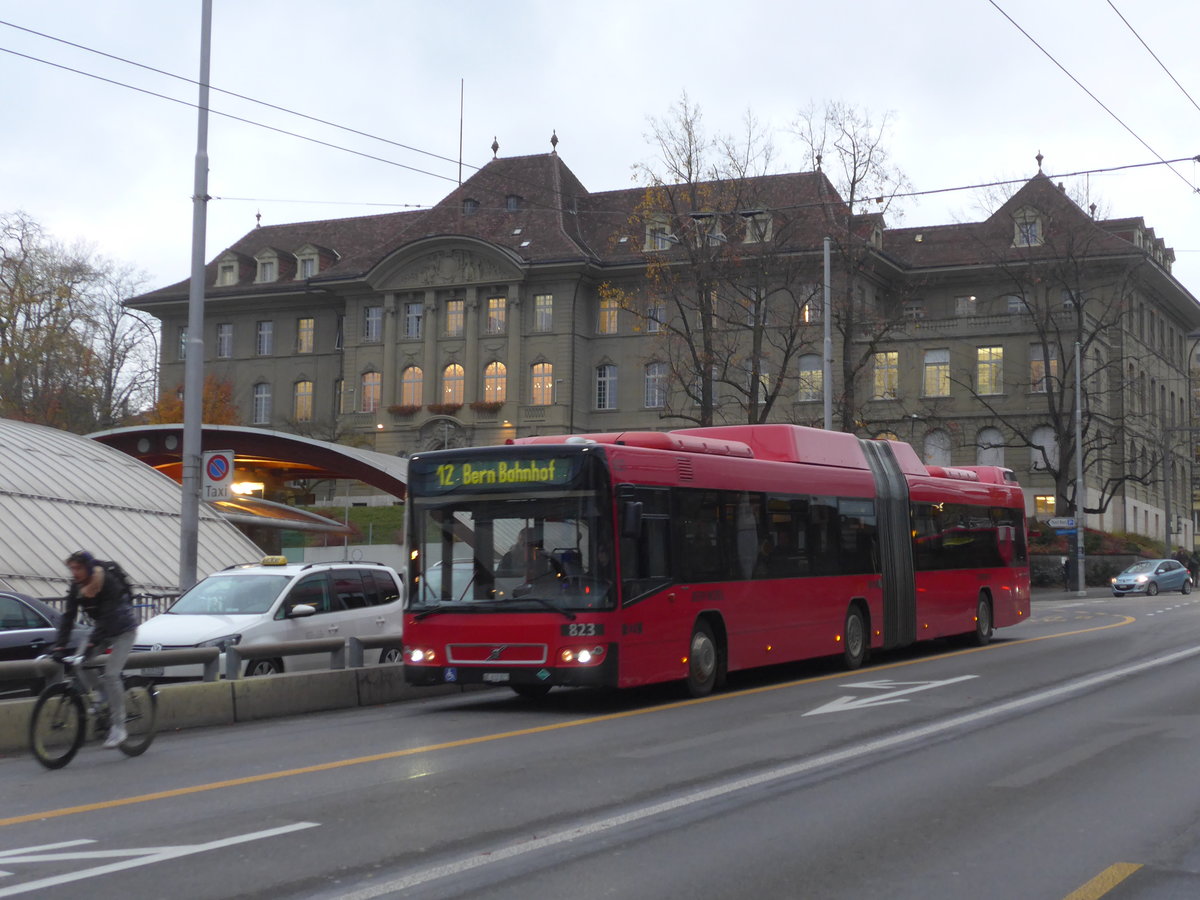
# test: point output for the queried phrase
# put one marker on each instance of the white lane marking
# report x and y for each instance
(803, 767)
(842, 704)
(144, 856)
(6, 854)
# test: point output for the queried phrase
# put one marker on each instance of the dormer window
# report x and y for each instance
(267, 270)
(227, 274)
(708, 229)
(1027, 228)
(758, 226)
(512, 203)
(470, 206)
(306, 267)
(658, 234)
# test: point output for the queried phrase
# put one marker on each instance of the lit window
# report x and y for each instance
(453, 381)
(372, 323)
(937, 373)
(964, 306)
(225, 340)
(412, 385)
(542, 385)
(1043, 371)
(302, 402)
(497, 309)
(414, 312)
(1044, 505)
(606, 387)
(887, 375)
(812, 377)
(262, 404)
(305, 335)
(369, 395)
(543, 312)
(656, 385)
(989, 370)
(495, 383)
(264, 338)
(454, 317)
(606, 321)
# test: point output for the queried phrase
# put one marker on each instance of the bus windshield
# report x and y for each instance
(526, 549)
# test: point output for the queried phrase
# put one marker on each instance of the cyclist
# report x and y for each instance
(110, 608)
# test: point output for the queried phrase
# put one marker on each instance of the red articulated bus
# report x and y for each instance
(639, 557)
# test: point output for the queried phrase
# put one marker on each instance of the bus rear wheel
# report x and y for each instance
(703, 659)
(982, 634)
(854, 639)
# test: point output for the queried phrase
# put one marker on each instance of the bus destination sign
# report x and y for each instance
(501, 474)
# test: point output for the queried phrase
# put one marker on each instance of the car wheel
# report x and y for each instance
(1152, 589)
(264, 667)
(391, 655)
(1187, 586)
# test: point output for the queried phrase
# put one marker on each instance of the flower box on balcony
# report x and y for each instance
(444, 409)
(487, 406)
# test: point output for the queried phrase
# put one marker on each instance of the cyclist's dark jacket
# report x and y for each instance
(111, 613)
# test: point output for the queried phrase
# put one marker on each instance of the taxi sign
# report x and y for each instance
(217, 472)
(1061, 522)
(274, 561)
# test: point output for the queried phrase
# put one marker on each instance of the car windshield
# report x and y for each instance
(1142, 567)
(233, 594)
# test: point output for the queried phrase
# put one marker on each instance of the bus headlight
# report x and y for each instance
(582, 655)
(422, 656)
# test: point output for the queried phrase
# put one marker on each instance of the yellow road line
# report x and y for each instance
(1104, 882)
(505, 735)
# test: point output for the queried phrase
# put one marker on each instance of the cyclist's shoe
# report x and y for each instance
(116, 737)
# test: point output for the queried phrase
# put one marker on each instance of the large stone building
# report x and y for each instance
(522, 303)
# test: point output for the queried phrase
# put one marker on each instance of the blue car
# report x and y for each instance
(1151, 576)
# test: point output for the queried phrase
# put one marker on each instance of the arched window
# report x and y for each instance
(412, 386)
(937, 448)
(369, 395)
(606, 387)
(302, 401)
(1044, 450)
(989, 447)
(812, 374)
(495, 383)
(453, 379)
(541, 386)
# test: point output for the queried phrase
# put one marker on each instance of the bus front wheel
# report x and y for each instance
(702, 660)
(983, 623)
(854, 639)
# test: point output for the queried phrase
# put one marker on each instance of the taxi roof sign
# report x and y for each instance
(274, 561)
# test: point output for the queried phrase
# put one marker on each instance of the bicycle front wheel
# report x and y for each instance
(141, 719)
(58, 726)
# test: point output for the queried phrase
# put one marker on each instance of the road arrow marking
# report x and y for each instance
(842, 704)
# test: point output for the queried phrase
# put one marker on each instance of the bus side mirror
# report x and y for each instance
(631, 519)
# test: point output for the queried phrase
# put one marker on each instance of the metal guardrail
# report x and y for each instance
(145, 606)
(343, 653)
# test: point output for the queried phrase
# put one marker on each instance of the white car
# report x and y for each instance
(273, 601)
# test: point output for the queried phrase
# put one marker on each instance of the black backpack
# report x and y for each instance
(120, 581)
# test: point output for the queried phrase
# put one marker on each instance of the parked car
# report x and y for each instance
(275, 600)
(28, 628)
(1151, 576)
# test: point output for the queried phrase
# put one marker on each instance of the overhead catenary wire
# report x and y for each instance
(1153, 54)
(1085, 89)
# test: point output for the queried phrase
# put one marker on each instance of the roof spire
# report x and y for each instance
(258, 219)
(554, 142)
(818, 162)
(495, 146)
(1039, 159)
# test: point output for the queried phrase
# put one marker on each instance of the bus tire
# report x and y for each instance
(703, 660)
(855, 642)
(982, 635)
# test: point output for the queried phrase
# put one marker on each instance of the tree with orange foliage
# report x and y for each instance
(218, 408)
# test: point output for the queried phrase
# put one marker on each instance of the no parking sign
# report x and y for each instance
(218, 474)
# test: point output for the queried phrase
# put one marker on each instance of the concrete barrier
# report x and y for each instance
(293, 692)
(194, 704)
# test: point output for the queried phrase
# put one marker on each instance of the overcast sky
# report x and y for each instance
(973, 99)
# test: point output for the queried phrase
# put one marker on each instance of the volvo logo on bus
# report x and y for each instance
(495, 654)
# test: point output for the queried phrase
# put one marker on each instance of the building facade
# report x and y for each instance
(524, 304)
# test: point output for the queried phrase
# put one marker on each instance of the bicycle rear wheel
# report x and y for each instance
(58, 726)
(141, 719)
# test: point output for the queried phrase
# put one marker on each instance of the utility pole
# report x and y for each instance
(827, 375)
(193, 372)
(1080, 490)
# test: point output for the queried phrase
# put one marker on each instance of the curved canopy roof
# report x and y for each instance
(60, 492)
(288, 457)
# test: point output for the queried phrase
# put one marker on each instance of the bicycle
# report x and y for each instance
(65, 715)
